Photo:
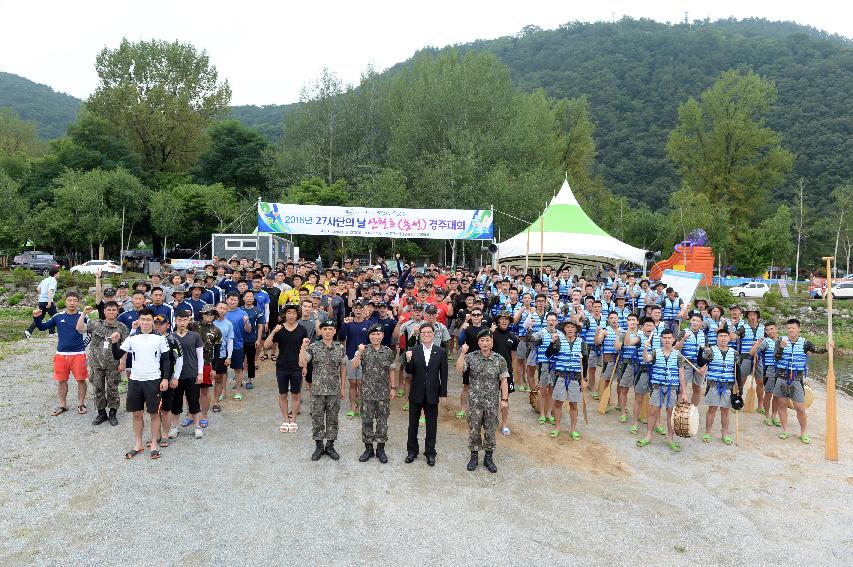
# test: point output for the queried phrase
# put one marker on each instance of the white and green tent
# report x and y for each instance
(569, 237)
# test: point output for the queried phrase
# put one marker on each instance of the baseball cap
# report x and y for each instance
(375, 329)
(327, 323)
(208, 309)
(484, 333)
(109, 292)
(430, 308)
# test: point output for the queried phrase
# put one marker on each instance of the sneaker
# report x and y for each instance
(173, 432)
(249, 386)
(27, 334)
(199, 433)
(505, 431)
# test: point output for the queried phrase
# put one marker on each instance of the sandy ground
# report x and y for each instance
(247, 494)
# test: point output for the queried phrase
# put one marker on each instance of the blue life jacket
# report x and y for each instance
(623, 316)
(608, 345)
(713, 327)
(665, 368)
(589, 331)
(692, 344)
(671, 308)
(769, 358)
(543, 346)
(569, 359)
(794, 356)
(721, 368)
(630, 353)
(733, 330)
(750, 336)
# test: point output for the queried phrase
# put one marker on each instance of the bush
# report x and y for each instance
(15, 299)
(67, 279)
(722, 296)
(773, 299)
(23, 277)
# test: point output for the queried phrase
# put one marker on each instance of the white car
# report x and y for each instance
(754, 289)
(92, 267)
(841, 290)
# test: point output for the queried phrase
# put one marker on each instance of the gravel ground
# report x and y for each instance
(247, 494)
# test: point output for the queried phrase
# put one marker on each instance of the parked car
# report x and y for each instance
(841, 290)
(754, 289)
(35, 260)
(92, 267)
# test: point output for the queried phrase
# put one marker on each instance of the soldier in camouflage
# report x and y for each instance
(377, 391)
(487, 375)
(211, 340)
(328, 383)
(103, 368)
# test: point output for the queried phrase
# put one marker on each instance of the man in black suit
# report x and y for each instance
(427, 364)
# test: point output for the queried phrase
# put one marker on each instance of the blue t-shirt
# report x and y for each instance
(69, 340)
(227, 329)
(211, 296)
(388, 326)
(256, 317)
(46, 285)
(128, 317)
(354, 334)
(195, 305)
(262, 299)
(236, 318)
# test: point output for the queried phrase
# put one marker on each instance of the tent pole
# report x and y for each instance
(527, 252)
(542, 244)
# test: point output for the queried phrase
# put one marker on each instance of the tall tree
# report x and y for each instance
(722, 147)
(161, 96)
(17, 136)
(235, 157)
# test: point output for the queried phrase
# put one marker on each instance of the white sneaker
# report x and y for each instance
(27, 334)
(173, 432)
(199, 433)
(505, 431)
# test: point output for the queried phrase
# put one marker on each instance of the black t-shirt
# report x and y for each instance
(504, 343)
(289, 344)
(100, 308)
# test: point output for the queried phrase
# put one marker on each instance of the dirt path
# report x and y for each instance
(247, 494)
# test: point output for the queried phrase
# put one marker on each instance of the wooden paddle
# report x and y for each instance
(605, 392)
(736, 390)
(750, 400)
(644, 409)
(831, 439)
(583, 406)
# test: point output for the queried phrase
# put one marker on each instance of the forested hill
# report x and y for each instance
(635, 73)
(52, 111)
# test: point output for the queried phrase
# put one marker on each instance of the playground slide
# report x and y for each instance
(699, 259)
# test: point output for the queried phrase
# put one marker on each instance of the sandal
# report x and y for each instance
(284, 427)
(784, 435)
(706, 438)
(155, 454)
(163, 442)
(294, 427)
(406, 406)
(203, 423)
(727, 439)
(350, 414)
(541, 420)
(216, 408)
(594, 395)
(805, 439)
(460, 414)
(623, 418)
(132, 453)
(777, 422)
(264, 356)
(81, 409)
(59, 411)
(400, 392)
(642, 442)
(238, 396)
(551, 420)
(221, 397)
(505, 431)
(769, 422)
(554, 433)
(273, 357)
(633, 430)
(675, 446)
(575, 435)
(659, 430)
(644, 421)
(186, 422)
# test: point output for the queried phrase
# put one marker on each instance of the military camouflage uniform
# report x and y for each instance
(485, 376)
(375, 393)
(103, 368)
(325, 387)
(211, 337)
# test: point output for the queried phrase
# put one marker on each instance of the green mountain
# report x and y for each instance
(635, 73)
(52, 111)
(266, 119)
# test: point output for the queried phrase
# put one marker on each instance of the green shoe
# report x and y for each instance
(727, 439)
(238, 396)
(575, 435)
(644, 421)
(350, 414)
(401, 393)
(642, 442)
(594, 395)
(675, 446)
(706, 438)
(554, 433)
(623, 418)
(761, 411)
(542, 420)
(460, 414)
(805, 439)
(659, 430)
(122, 388)
(406, 406)
(551, 420)
(618, 408)
(768, 422)
(777, 422)
(633, 430)
(221, 397)
(784, 435)
(422, 422)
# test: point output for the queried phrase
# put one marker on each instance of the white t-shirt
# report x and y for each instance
(145, 350)
(427, 352)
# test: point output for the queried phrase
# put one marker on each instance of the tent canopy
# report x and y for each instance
(570, 237)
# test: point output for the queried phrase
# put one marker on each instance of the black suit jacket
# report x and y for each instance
(429, 382)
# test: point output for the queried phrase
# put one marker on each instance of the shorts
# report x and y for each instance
(641, 384)
(189, 389)
(219, 366)
(206, 381)
(67, 364)
(659, 397)
(593, 360)
(166, 398)
(521, 351)
(746, 368)
(143, 395)
(714, 398)
(625, 375)
(354, 374)
(237, 359)
(795, 392)
(769, 378)
(531, 356)
(288, 380)
(607, 369)
(690, 375)
(546, 376)
(573, 393)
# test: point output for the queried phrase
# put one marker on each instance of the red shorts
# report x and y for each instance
(66, 364)
(205, 376)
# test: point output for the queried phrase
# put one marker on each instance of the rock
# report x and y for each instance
(803, 310)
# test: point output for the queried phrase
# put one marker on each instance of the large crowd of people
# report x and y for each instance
(362, 336)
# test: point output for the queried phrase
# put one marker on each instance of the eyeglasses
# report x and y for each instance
(476, 314)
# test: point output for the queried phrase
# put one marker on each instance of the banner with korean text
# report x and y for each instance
(450, 224)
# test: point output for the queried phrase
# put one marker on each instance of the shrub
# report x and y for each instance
(773, 299)
(722, 296)
(23, 277)
(67, 279)
(15, 299)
